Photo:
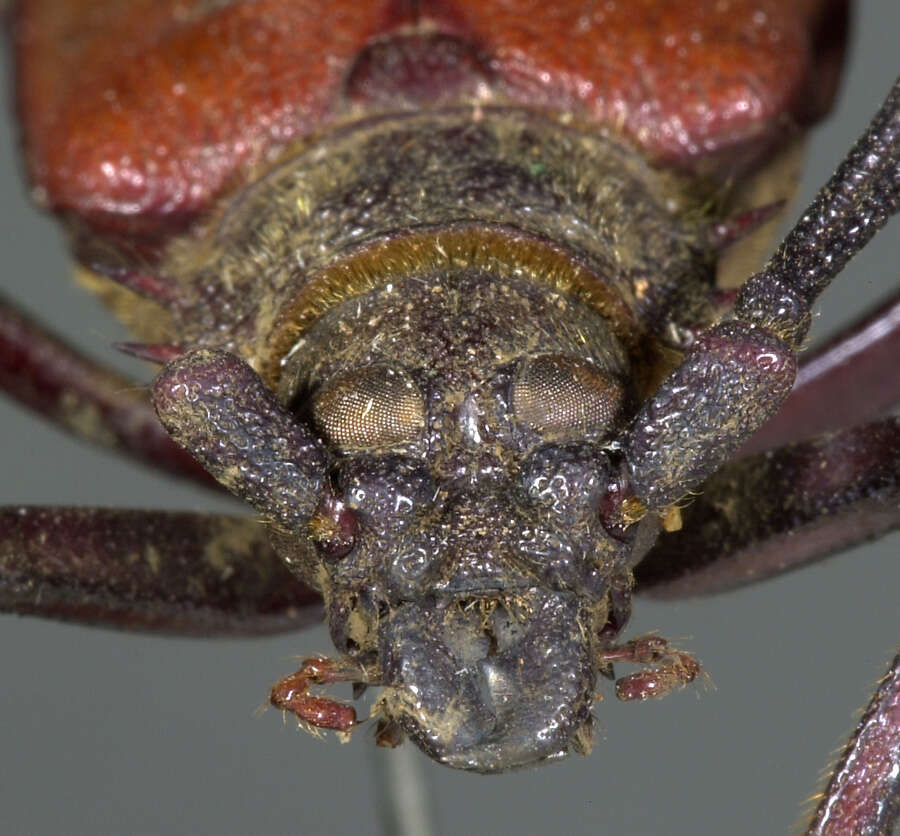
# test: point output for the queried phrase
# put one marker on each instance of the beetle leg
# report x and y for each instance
(852, 379)
(292, 693)
(863, 794)
(668, 668)
(88, 400)
(738, 373)
(217, 407)
(723, 234)
(161, 289)
(191, 574)
(776, 511)
(161, 353)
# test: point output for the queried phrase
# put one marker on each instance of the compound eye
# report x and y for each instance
(375, 406)
(555, 394)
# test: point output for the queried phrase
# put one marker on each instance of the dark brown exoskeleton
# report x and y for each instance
(463, 352)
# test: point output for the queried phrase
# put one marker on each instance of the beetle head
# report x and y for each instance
(460, 543)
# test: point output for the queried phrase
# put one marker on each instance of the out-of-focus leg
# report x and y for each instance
(84, 398)
(863, 794)
(180, 573)
(776, 511)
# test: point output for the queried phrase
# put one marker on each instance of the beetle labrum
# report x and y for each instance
(443, 139)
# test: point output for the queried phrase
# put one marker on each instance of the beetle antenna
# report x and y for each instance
(850, 208)
(217, 408)
(739, 372)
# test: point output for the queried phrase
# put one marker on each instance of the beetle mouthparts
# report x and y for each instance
(488, 688)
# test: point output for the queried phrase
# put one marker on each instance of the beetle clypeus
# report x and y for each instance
(604, 706)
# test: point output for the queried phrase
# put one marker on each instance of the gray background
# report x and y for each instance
(111, 733)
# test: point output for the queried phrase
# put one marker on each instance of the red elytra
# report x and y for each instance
(138, 114)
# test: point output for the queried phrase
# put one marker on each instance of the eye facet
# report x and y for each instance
(555, 394)
(375, 406)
